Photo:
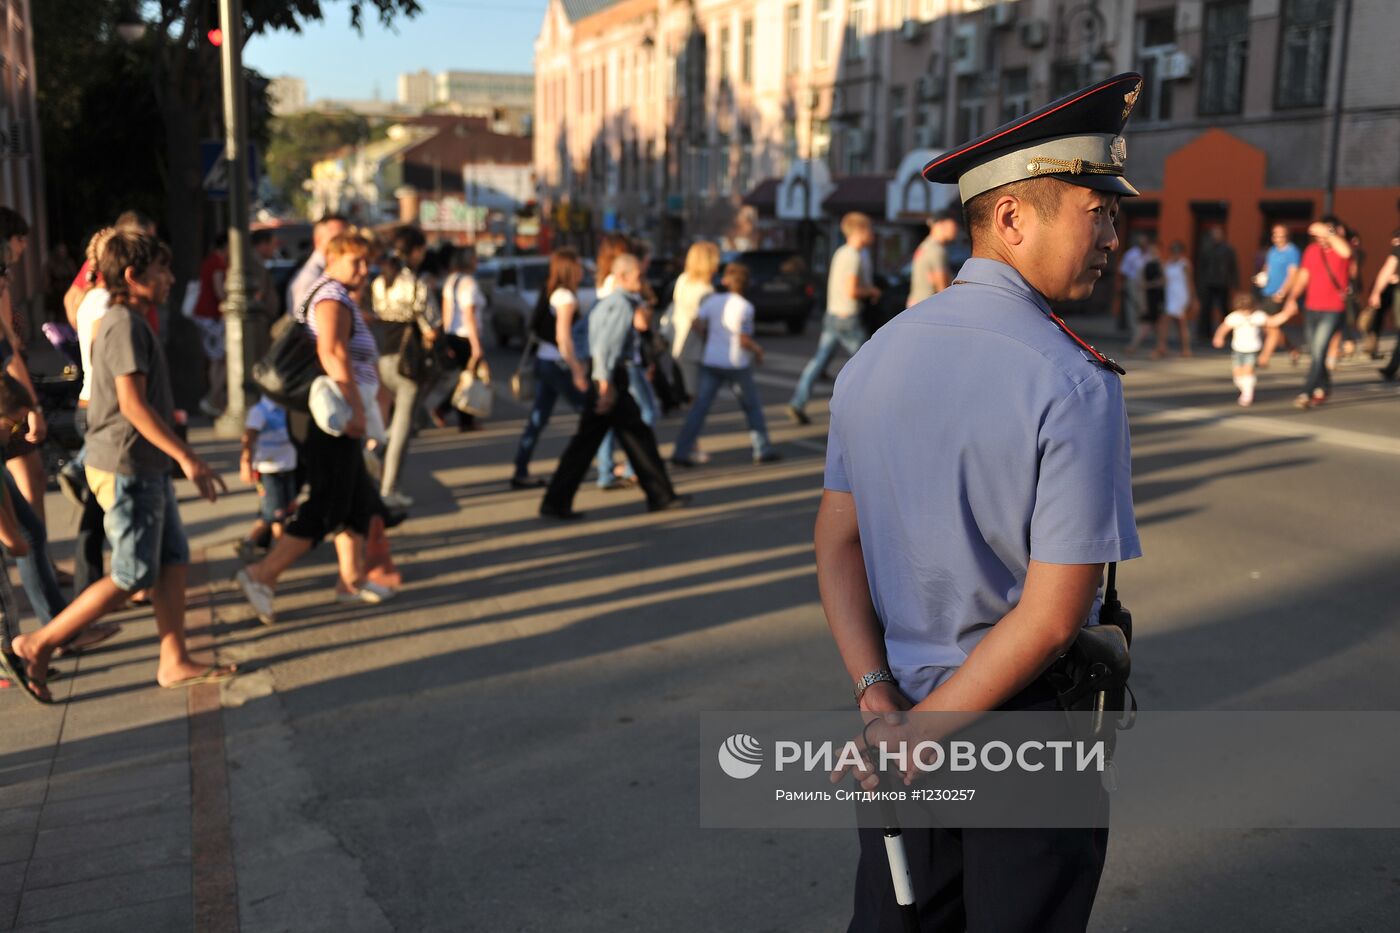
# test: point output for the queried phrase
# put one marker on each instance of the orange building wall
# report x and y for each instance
(1217, 166)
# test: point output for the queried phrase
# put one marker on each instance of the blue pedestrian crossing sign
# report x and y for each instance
(213, 169)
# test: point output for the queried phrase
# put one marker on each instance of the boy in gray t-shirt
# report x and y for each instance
(849, 282)
(130, 450)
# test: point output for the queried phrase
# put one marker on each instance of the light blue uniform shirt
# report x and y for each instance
(975, 436)
(611, 339)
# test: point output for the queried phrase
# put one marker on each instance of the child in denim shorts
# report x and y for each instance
(131, 449)
(1246, 325)
(269, 461)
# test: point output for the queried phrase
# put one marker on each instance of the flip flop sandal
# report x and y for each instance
(91, 638)
(12, 666)
(211, 675)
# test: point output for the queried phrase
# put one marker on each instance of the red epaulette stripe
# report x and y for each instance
(1094, 351)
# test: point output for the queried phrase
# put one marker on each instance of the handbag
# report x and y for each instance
(419, 362)
(292, 363)
(522, 381)
(473, 395)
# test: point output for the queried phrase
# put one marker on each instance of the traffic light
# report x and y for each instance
(213, 32)
(216, 37)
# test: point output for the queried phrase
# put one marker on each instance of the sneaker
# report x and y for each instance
(563, 515)
(1246, 401)
(397, 502)
(209, 409)
(371, 594)
(1318, 398)
(259, 596)
(527, 482)
(797, 415)
(771, 456)
(676, 502)
(700, 457)
(1301, 401)
(247, 551)
(73, 484)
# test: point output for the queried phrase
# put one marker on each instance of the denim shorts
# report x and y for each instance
(277, 493)
(142, 524)
(1238, 359)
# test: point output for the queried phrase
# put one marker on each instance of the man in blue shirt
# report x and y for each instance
(1280, 266)
(612, 341)
(977, 481)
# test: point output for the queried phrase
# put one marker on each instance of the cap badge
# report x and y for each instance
(1118, 149)
(1130, 98)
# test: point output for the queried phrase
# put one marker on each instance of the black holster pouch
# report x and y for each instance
(1091, 678)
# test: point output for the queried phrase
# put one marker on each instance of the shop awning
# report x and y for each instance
(908, 197)
(803, 189)
(864, 193)
(764, 197)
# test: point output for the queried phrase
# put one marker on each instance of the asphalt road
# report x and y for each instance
(512, 745)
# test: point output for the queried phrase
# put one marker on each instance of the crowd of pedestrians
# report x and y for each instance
(397, 327)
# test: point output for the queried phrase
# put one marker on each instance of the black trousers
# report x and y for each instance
(340, 495)
(87, 548)
(625, 419)
(1215, 304)
(986, 880)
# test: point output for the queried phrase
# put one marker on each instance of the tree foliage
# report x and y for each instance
(121, 123)
(299, 140)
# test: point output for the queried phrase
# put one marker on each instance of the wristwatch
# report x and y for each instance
(883, 675)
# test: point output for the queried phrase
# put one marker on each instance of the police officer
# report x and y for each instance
(977, 481)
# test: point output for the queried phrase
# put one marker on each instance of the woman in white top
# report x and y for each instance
(463, 319)
(1180, 299)
(694, 285)
(560, 328)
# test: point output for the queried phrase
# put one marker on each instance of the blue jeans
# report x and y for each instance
(846, 332)
(1320, 326)
(143, 526)
(741, 383)
(552, 381)
(35, 569)
(640, 390)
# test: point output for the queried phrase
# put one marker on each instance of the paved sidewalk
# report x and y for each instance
(97, 791)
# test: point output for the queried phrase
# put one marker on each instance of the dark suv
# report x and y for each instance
(781, 288)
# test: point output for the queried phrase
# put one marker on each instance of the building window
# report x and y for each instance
(746, 54)
(825, 18)
(793, 61)
(1302, 60)
(821, 139)
(1224, 57)
(970, 107)
(1015, 94)
(898, 118)
(855, 149)
(1156, 43)
(858, 31)
(724, 178)
(724, 55)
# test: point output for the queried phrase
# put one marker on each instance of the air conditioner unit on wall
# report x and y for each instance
(1035, 34)
(932, 87)
(1003, 13)
(967, 49)
(911, 30)
(1177, 66)
(857, 144)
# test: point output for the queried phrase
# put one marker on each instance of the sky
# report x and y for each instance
(462, 35)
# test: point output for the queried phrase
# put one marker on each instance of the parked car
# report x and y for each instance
(781, 287)
(512, 285)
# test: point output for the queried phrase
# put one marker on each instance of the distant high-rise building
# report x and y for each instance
(286, 95)
(507, 100)
(416, 90)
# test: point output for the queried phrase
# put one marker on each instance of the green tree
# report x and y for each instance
(299, 140)
(122, 123)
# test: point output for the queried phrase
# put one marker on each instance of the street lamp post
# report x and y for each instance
(235, 307)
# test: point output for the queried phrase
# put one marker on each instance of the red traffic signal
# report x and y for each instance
(216, 37)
